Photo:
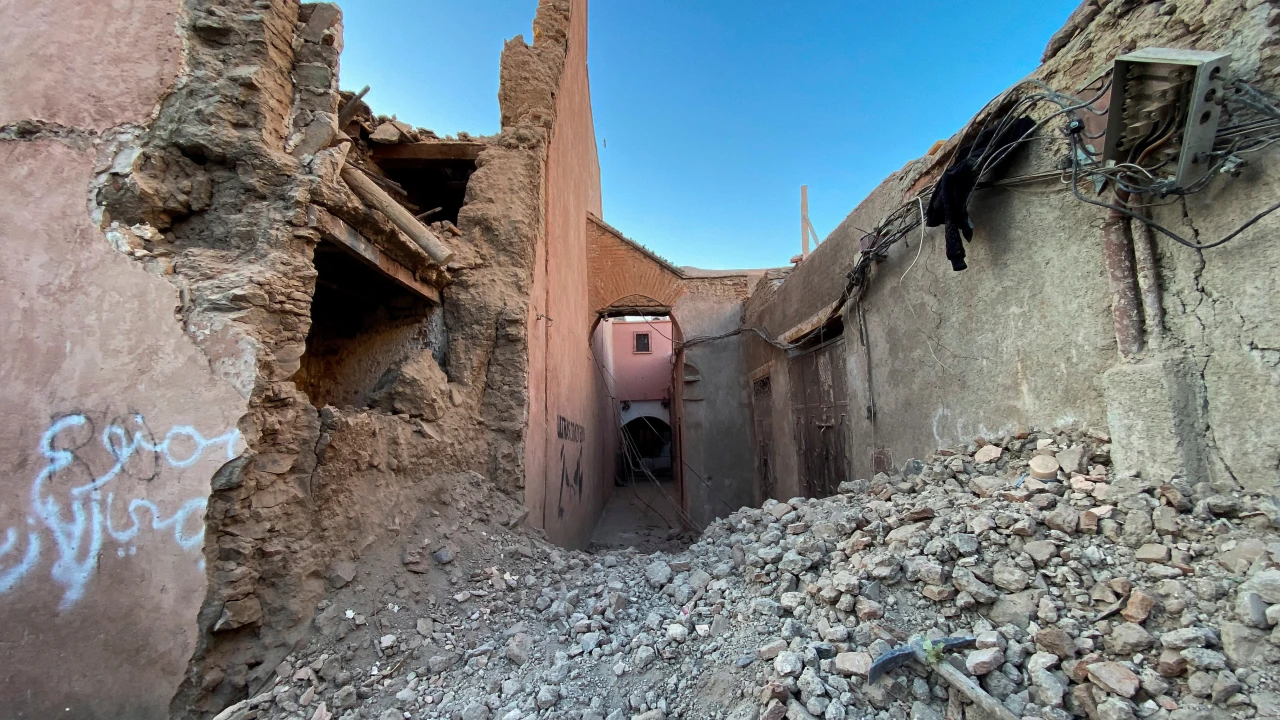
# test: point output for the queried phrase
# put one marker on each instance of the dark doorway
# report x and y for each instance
(647, 450)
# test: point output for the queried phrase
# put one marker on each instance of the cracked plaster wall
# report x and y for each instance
(1024, 336)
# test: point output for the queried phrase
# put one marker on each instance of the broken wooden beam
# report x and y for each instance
(351, 108)
(369, 192)
(343, 235)
(431, 150)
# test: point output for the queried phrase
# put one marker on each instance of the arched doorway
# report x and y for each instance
(647, 450)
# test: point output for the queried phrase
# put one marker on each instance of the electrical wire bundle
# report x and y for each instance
(1256, 126)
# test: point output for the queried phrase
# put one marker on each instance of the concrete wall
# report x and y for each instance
(715, 416)
(642, 376)
(114, 423)
(572, 472)
(1024, 336)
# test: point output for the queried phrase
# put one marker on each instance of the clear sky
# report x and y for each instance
(710, 114)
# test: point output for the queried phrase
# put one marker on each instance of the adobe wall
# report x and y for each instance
(1024, 336)
(115, 422)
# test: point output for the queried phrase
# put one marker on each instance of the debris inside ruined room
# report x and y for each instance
(323, 416)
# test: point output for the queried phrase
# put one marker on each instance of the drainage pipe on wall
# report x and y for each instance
(1117, 250)
(1144, 255)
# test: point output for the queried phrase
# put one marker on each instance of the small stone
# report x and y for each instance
(988, 454)
(444, 556)
(1127, 639)
(1069, 459)
(1010, 577)
(1057, 642)
(644, 656)
(677, 633)
(770, 650)
(1138, 607)
(341, 573)
(548, 695)
(1171, 664)
(1224, 687)
(1114, 678)
(1204, 659)
(853, 663)
(1266, 584)
(1063, 519)
(965, 581)
(518, 648)
(1041, 551)
(1152, 553)
(658, 573)
(788, 664)
(981, 662)
(1114, 708)
(1251, 610)
(1243, 645)
(868, 609)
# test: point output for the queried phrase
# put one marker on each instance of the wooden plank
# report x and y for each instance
(448, 150)
(346, 237)
(369, 192)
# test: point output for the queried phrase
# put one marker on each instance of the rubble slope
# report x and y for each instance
(1086, 595)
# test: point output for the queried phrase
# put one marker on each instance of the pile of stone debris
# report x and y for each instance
(1088, 595)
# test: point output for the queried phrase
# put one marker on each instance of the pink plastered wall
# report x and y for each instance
(568, 477)
(113, 422)
(642, 376)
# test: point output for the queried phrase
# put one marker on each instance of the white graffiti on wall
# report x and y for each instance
(79, 519)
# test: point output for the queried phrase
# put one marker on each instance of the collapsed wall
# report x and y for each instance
(325, 380)
(1025, 336)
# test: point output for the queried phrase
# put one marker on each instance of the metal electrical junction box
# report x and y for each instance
(1165, 105)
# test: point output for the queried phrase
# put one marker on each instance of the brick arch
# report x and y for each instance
(621, 273)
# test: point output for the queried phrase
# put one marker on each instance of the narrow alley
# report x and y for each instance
(316, 414)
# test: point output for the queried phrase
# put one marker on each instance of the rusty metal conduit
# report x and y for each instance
(1126, 308)
(1144, 253)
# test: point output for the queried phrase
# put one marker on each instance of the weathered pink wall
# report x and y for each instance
(573, 469)
(86, 64)
(113, 424)
(642, 376)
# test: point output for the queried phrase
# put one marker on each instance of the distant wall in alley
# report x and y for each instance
(719, 476)
(641, 375)
(1024, 336)
(113, 422)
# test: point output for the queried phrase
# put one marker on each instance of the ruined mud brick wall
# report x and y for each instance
(1024, 335)
(165, 314)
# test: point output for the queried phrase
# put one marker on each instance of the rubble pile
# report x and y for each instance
(1085, 595)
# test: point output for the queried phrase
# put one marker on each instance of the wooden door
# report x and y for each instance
(820, 407)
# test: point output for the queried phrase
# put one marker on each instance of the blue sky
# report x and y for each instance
(710, 114)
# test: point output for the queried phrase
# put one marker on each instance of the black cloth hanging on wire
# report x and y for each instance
(950, 201)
